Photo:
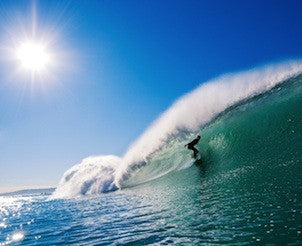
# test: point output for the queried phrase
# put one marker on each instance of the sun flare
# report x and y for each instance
(33, 56)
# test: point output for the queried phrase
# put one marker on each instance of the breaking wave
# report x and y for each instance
(159, 150)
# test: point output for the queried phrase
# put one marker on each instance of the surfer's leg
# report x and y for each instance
(195, 152)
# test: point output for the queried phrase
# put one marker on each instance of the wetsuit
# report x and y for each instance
(191, 146)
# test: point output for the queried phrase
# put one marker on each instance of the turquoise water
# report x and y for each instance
(246, 190)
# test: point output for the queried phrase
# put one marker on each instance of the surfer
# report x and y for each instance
(192, 144)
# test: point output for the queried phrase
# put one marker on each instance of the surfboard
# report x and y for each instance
(198, 162)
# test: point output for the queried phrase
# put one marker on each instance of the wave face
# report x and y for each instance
(219, 110)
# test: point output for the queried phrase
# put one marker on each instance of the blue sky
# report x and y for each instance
(119, 65)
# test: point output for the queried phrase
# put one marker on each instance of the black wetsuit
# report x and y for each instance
(191, 146)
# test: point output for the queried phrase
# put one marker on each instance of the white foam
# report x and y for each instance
(188, 113)
(94, 175)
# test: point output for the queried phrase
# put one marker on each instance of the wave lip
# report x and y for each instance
(94, 175)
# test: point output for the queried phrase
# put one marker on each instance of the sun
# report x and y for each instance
(33, 56)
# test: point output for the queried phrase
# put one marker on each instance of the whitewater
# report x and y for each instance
(159, 150)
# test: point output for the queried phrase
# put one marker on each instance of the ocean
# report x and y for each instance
(245, 189)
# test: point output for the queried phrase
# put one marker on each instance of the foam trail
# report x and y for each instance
(188, 114)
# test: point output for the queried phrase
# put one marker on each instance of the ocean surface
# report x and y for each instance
(245, 189)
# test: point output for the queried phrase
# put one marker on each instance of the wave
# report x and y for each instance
(165, 138)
